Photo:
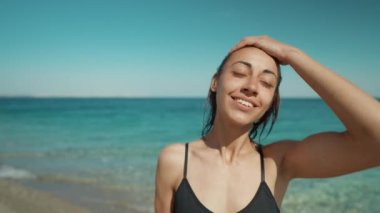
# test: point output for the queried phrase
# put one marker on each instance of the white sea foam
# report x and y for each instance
(14, 173)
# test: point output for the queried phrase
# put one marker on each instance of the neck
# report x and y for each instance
(231, 140)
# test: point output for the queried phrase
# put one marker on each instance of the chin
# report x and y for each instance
(241, 120)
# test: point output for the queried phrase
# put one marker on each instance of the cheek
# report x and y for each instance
(223, 86)
(228, 84)
(267, 98)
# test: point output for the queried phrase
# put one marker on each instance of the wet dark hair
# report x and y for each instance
(270, 116)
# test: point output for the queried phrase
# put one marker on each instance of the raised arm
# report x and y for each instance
(329, 153)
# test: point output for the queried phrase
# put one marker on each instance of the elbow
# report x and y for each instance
(365, 136)
(373, 138)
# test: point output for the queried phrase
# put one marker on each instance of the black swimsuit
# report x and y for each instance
(185, 200)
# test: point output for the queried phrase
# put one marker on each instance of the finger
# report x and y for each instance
(239, 45)
(244, 42)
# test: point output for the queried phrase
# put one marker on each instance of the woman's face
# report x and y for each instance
(246, 86)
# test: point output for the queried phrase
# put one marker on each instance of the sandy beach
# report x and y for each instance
(40, 197)
(15, 197)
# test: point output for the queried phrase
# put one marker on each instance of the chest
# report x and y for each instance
(222, 188)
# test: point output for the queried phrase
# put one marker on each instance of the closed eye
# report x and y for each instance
(266, 84)
(238, 74)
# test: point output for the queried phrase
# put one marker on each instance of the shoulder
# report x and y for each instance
(278, 149)
(171, 154)
(170, 163)
(168, 174)
(278, 153)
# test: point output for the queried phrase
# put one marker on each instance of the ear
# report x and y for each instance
(214, 84)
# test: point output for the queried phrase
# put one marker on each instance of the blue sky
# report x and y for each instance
(172, 48)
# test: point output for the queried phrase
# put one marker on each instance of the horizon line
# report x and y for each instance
(139, 97)
(131, 97)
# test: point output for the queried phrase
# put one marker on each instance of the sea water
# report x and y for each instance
(113, 143)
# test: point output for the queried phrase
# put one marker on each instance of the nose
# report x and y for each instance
(250, 87)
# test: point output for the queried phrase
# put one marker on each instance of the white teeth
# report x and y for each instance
(245, 103)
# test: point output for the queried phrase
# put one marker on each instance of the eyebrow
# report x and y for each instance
(250, 67)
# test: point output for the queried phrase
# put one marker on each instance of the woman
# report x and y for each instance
(226, 171)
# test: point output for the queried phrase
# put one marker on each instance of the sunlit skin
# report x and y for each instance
(249, 73)
(224, 166)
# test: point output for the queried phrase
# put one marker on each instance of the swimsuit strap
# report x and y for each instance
(261, 162)
(185, 166)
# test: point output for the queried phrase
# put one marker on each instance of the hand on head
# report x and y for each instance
(272, 47)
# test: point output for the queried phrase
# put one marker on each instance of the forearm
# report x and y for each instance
(358, 111)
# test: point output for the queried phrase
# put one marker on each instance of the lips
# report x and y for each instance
(245, 101)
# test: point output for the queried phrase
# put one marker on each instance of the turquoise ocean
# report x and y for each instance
(101, 153)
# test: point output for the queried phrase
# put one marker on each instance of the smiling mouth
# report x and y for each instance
(244, 102)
